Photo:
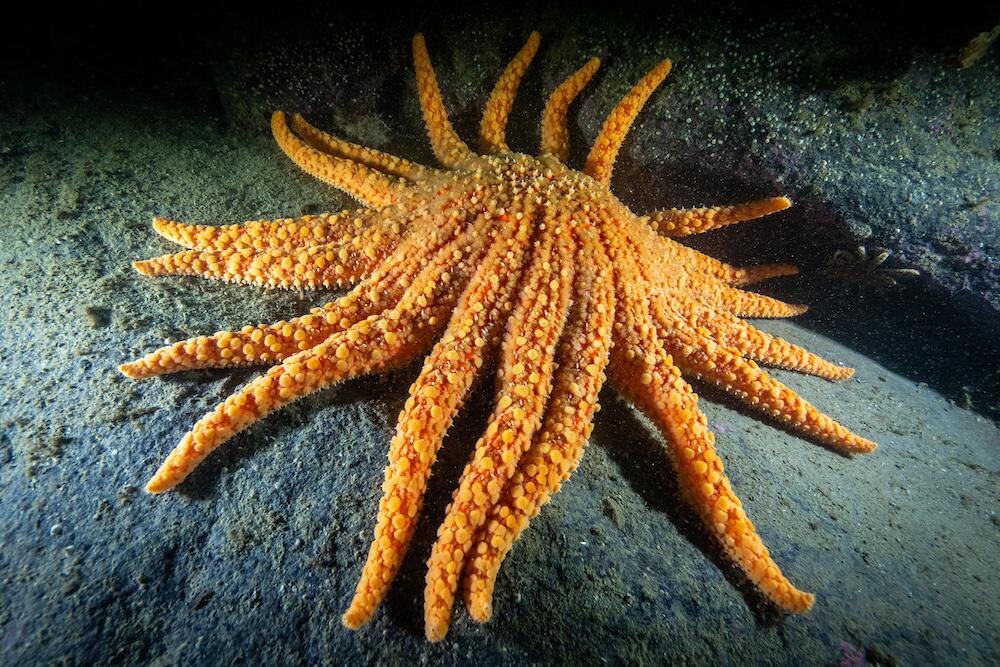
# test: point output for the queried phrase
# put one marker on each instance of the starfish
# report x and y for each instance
(523, 265)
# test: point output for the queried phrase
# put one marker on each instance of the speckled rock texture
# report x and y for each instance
(867, 124)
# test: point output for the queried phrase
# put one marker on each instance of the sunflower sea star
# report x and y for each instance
(509, 258)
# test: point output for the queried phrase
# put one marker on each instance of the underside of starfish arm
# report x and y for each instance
(601, 159)
(369, 186)
(369, 157)
(555, 130)
(448, 373)
(580, 359)
(493, 127)
(684, 221)
(525, 383)
(450, 150)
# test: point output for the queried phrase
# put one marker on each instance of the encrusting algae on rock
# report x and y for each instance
(498, 257)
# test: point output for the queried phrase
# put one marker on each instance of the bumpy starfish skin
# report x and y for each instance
(503, 258)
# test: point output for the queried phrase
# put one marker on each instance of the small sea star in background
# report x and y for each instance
(865, 270)
(507, 258)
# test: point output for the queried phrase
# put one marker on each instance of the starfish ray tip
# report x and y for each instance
(144, 266)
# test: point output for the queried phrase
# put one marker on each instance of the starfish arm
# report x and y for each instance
(726, 368)
(267, 343)
(684, 221)
(373, 345)
(700, 354)
(271, 234)
(369, 186)
(448, 373)
(252, 345)
(369, 157)
(645, 373)
(751, 304)
(310, 267)
(758, 345)
(555, 130)
(556, 449)
(449, 149)
(701, 263)
(526, 381)
(602, 156)
(716, 293)
(493, 127)
(705, 287)
(661, 393)
(747, 275)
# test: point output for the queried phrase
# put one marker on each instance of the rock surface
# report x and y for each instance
(253, 560)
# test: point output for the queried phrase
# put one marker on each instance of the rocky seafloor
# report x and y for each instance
(876, 134)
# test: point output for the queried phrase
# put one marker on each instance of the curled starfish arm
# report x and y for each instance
(450, 150)
(699, 355)
(645, 373)
(369, 186)
(526, 381)
(684, 221)
(448, 373)
(555, 131)
(283, 233)
(369, 157)
(557, 447)
(601, 159)
(493, 127)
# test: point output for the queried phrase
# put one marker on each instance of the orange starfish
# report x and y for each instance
(499, 256)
